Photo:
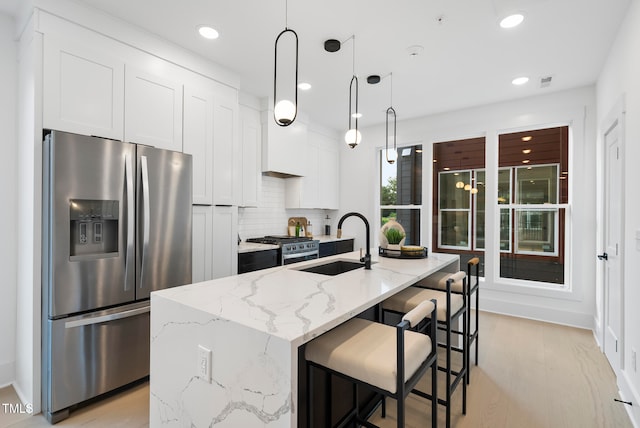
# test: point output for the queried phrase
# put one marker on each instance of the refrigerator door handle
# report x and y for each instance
(145, 215)
(128, 172)
(107, 318)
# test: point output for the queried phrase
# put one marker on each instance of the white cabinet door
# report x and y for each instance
(202, 243)
(251, 147)
(226, 145)
(328, 176)
(319, 187)
(302, 192)
(83, 90)
(153, 110)
(198, 140)
(283, 148)
(225, 241)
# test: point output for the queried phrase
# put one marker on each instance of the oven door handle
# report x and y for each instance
(298, 255)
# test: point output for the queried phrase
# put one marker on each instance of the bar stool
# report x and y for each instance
(438, 281)
(451, 308)
(389, 360)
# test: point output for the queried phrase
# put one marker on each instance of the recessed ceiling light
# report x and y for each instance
(526, 151)
(526, 161)
(446, 168)
(304, 86)
(527, 138)
(208, 32)
(512, 20)
(520, 80)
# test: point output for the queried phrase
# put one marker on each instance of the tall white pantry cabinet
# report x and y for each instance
(95, 85)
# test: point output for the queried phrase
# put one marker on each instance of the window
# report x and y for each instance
(532, 192)
(401, 191)
(459, 199)
(532, 195)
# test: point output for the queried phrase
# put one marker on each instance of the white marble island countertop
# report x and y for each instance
(253, 324)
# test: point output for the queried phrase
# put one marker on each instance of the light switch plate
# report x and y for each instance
(204, 363)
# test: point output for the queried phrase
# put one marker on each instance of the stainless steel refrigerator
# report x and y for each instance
(116, 226)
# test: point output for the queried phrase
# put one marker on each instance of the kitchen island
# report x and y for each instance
(253, 325)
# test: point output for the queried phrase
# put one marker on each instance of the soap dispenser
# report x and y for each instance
(327, 226)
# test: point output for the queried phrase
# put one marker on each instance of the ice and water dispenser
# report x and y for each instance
(94, 228)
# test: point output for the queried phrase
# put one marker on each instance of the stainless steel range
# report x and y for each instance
(293, 249)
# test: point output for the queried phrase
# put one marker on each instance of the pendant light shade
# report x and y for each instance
(285, 101)
(353, 137)
(284, 112)
(391, 153)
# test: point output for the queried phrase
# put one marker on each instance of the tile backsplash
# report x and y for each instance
(270, 216)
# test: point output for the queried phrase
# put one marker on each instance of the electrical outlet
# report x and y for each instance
(633, 359)
(205, 357)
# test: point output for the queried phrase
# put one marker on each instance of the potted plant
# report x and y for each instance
(394, 237)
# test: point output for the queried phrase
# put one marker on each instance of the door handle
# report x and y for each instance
(146, 216)
(603, 256)
(106, 318)
(128, 171)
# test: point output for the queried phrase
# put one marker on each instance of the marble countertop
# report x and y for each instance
(296, 306)
(248, 247)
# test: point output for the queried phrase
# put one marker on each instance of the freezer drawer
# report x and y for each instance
(95, 353)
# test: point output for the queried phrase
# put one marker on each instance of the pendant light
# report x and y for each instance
(285, 111)
(391, 154)
(353, 137)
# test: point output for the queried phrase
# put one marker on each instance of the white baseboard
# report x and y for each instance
(538, 313)
(629, 393)
(7, 373)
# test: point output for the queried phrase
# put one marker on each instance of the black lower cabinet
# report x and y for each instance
(256, 260)
(345, 246)
(335, 247)
(341, 394)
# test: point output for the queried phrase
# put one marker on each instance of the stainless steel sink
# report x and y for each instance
(333, 268)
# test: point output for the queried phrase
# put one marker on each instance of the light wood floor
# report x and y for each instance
(531, 375)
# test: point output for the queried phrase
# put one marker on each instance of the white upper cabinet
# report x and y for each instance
(283, 147)
(153, 110)
(226, 147)
(198, 140)
(251, 148)
(83, 90)
(319, 186)
(329, 180)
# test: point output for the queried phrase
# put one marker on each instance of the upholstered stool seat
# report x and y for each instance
(366, 350)
(409, 298)
(389, 359)
(438, 281)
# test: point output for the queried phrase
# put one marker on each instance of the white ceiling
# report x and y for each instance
(468, 60)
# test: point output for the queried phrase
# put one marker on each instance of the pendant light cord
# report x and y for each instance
(354, 55)
(286, 14)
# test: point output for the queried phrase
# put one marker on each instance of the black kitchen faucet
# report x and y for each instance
(367, 257)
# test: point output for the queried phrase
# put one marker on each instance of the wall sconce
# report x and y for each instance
(285, 111)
